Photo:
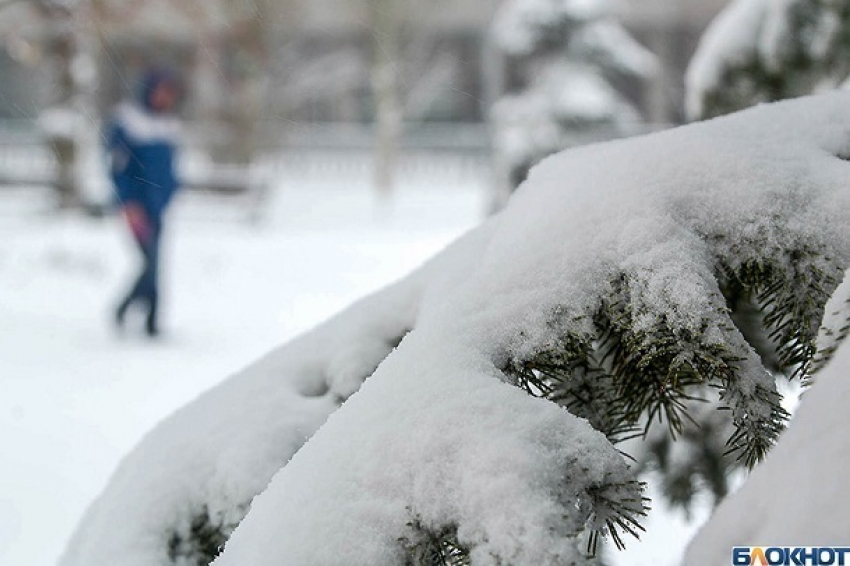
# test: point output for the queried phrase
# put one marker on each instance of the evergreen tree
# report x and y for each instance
(567, 65)
(766, 50)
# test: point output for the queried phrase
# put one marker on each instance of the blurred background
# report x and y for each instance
(329, 148)
(398, 87)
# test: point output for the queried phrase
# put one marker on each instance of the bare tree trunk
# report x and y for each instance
(62, 137)
(248, 35)
(74, 41)
(91, 37)
(385, 49)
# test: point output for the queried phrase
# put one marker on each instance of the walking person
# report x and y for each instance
(142, 142)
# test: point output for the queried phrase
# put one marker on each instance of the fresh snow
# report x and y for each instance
(68, 417)
(436, 436)
(531, 122)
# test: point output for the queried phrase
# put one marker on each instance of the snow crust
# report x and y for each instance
(435, 436)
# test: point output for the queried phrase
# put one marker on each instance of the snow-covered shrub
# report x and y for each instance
(766, 50)
(564, 59)
(622, 282)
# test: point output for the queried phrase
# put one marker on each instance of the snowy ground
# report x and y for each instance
(76, 396)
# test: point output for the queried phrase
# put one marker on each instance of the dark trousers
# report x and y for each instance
(145, 290)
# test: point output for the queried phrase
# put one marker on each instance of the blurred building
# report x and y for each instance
(338, 82)
(311, 58)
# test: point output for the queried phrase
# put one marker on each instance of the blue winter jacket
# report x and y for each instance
(143, 150)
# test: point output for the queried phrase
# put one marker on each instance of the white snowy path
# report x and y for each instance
(74, 397)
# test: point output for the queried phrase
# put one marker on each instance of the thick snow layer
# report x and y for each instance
(435, 436)
(105, 393)
(799, 494)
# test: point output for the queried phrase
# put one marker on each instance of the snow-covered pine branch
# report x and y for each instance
(617, 272)
(766, 50)
(799, 494)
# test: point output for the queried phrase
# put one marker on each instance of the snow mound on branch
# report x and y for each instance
(436, 440)
(436, 437)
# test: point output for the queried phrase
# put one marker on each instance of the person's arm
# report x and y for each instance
(120, 166)
(127, 199)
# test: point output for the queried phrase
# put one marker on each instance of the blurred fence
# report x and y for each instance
(344, 151)
(438, 153)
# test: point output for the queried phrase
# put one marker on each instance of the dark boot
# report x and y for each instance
(121, 312)
(151, 326)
